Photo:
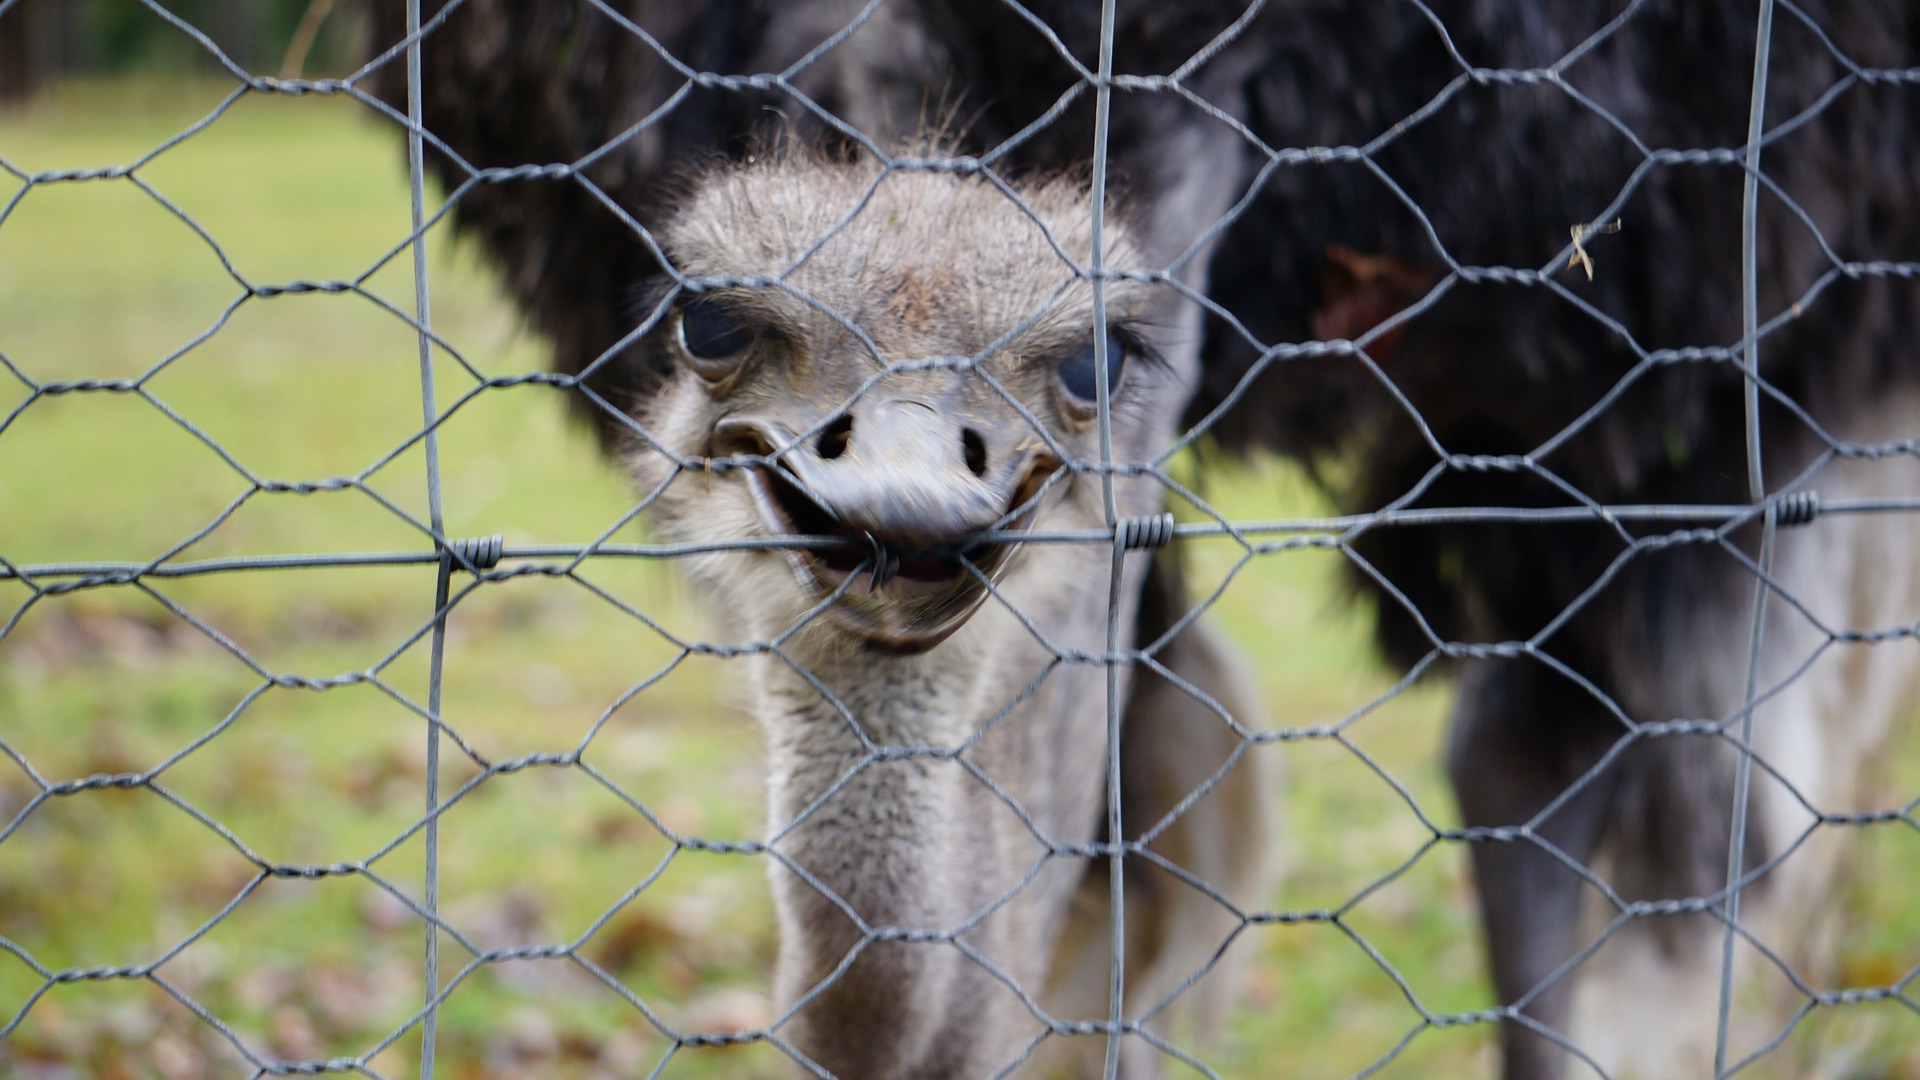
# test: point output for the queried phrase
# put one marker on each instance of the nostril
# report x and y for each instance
(975, 449)
(835, 437)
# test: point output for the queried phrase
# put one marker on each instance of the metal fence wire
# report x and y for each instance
(1839, 493)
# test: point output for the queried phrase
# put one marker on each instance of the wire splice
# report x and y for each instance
(1799, 508)
(1154, 531)
(478, 552)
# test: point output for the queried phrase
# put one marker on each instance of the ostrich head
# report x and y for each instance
(902, 363)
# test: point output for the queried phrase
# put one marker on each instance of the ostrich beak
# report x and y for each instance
(912, 488)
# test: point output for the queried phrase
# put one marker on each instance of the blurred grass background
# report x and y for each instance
(101, 280)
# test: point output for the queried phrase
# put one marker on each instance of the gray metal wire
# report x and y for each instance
(465, 565)
(436, 670)
(1757, 488)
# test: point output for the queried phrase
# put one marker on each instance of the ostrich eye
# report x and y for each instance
(1079, 377)
(711, 337)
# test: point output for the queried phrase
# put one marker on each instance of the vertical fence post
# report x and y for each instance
(423, 314)
(1757, 491)
(1116, 859)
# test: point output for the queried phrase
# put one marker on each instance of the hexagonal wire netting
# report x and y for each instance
(253, 1015)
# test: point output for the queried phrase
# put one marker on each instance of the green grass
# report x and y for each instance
(100, 280)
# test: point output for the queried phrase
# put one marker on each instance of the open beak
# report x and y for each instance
(911, 494)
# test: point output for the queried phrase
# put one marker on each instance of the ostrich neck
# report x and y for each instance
(883, 770)
(909, 797)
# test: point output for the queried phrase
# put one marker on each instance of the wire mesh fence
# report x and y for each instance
(352, 732)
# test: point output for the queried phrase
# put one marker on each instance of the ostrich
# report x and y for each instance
(978, 426)
(1426, 303)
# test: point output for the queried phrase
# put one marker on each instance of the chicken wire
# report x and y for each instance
(466, 566)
